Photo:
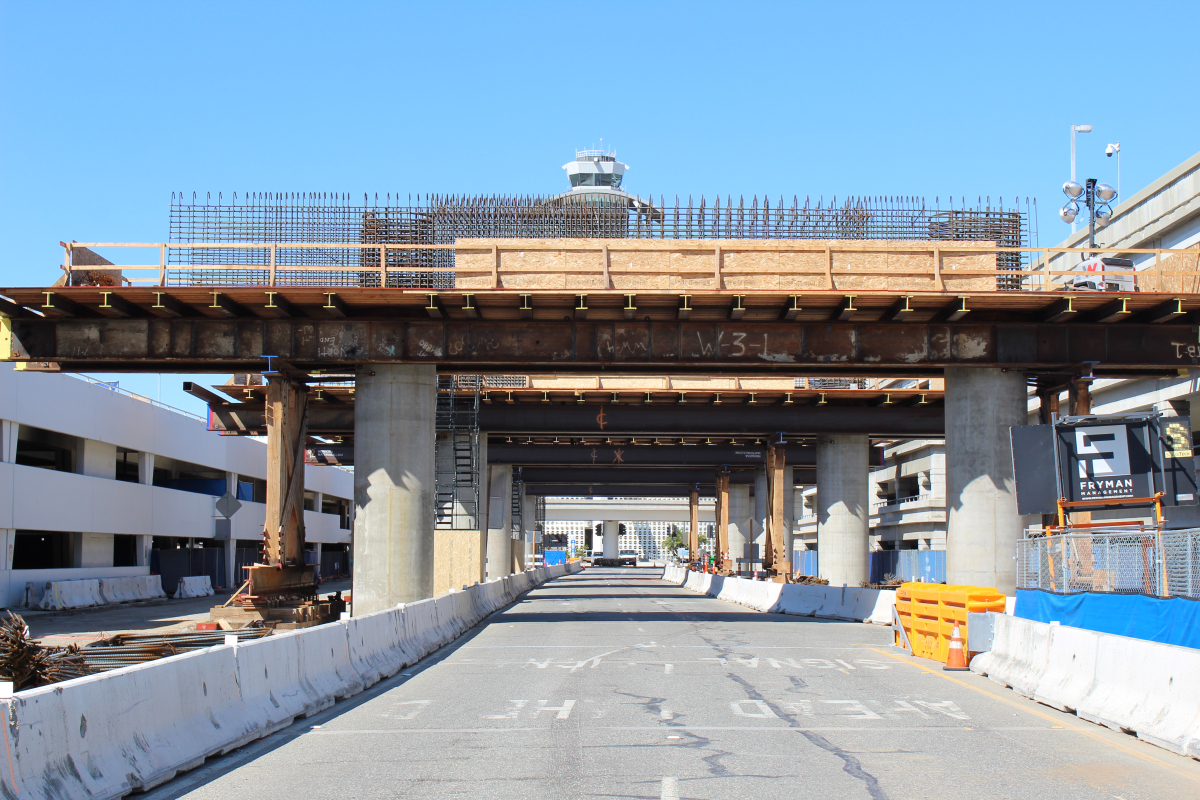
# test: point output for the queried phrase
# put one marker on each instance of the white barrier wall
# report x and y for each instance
(803, 600)
(98, 737)
(1130, 685)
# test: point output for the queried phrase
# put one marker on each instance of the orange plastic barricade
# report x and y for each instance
(928, 613)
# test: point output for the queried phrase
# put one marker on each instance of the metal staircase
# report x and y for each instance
(456, 460)
(518, 493)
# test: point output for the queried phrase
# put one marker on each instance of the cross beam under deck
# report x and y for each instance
(240, 345)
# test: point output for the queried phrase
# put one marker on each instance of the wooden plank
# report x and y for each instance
(777, 485)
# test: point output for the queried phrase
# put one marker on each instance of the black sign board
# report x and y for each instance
(1104, 459)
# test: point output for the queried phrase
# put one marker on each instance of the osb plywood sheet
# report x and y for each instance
(457, 559)
(768, 384)
(1171, 280)
(703, 384)
(747, 265)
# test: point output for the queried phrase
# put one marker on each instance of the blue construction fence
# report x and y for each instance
(1170, 620)
(926, 566)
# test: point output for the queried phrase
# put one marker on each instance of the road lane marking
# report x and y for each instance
(763, 711)
(862, 712)
(670, 789)
(564, 711)
(1055, 720)
(686, 728)
(517, 705)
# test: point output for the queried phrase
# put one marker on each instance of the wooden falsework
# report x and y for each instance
(776, 486)
(694, 524)
(287, 431)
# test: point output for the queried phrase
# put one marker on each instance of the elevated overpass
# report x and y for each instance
(963, 312)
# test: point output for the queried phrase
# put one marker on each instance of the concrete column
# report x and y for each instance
(146, 468)
(612, 539)
(499, 522)
(97, 459)
(8, 441)
(393, 485)
(741, 522)
(8, 540)
(233, 580)
(762, 508)
(92, 549)
(981, 502)
(142, 550)
(843, 508)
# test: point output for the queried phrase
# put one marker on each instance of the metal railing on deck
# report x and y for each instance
(1147, 561)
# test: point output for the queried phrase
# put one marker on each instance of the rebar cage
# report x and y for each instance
(324, 218)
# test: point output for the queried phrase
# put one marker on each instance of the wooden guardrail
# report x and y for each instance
(653, 265)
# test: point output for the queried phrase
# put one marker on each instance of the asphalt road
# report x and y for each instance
(613, 683)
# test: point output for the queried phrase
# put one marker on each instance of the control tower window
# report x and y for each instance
(595, 179)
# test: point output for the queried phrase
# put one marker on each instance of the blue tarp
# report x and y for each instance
(1170, 620)
(553, 557)
(805, 562)
(927, 566)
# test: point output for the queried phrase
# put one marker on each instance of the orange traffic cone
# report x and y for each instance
(956, 657)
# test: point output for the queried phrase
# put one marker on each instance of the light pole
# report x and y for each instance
(1074, 130)
(1096, 196)
(1108, 151)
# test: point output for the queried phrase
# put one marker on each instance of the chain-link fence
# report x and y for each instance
(1151, 562)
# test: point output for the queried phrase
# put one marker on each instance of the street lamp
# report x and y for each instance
(1076, 129)
(1115, 148)
(1096, 196)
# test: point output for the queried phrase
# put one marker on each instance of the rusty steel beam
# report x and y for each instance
(623, 420)
(235, 344)
(618, 490)
(643, 475)
(659, 455)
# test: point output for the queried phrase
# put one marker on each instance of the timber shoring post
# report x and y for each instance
(287, 430)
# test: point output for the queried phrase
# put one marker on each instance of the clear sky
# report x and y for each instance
(108, 107)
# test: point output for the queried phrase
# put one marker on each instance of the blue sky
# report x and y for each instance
(106, 108)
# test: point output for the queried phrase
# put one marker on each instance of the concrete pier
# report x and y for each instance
(843, 508)
(499, 522)
(741, 522)
(612, 538)
(393, 485)
(981, 502)
(762, 510)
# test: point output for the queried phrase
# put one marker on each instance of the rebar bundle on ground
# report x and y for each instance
(27, 663)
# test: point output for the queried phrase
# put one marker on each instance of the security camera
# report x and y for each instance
(1108, 151)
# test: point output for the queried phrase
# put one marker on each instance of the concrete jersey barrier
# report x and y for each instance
(1130, 685)
(60, 595)
(131, 589)
(100, 736)
(805, 600)
(193, 586)
(107, 735)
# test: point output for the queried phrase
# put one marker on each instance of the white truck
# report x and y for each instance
(1098, 276)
